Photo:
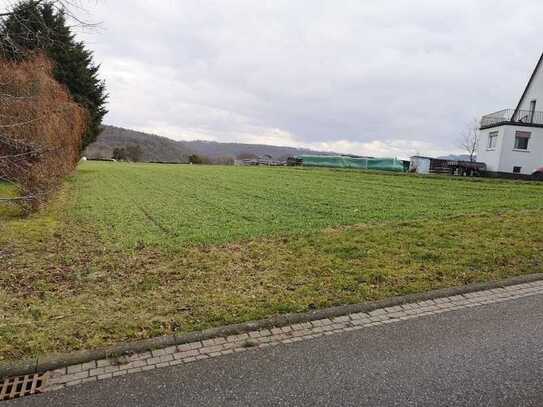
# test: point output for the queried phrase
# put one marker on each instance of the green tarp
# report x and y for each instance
(338, 161)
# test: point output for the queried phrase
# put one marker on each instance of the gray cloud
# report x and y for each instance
(389, 78)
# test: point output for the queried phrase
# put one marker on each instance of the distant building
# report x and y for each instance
(428, 165)
(511, 140)
(265, 159)
(420, 164)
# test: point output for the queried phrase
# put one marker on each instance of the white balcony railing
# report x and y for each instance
(512, 116)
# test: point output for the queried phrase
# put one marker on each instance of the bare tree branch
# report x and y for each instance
(469, 140)
(19, 124)
(9, 13)
(71, 10)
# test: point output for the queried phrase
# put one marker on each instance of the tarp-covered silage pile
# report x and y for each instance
(338, 161)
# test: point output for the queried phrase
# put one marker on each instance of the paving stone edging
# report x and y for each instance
(55, 361)
(193, 352)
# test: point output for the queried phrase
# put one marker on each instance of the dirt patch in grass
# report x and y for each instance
(63, 287)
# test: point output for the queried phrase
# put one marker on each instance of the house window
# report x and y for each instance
(516, 170)
(521, 140)
(492, 139)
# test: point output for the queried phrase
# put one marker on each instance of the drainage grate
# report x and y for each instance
(15, 387)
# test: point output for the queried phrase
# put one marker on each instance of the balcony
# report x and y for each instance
(510, 116)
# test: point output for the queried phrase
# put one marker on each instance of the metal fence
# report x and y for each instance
(512, 116)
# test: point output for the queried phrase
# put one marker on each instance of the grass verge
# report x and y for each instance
(71, 292)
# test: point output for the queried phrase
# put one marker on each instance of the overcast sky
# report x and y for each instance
(388, 78)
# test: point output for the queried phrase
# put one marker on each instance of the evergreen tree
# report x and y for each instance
(41, 25)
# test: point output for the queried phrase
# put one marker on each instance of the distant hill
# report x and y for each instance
(156, 148)
(213, 149)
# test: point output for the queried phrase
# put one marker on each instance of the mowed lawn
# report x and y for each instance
(131, 251)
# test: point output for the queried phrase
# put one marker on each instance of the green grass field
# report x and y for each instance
(167, 205)
(130, 251)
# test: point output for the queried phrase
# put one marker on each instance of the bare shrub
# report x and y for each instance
(41, 129)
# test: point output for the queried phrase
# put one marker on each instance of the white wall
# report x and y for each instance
(504, 157)
(490, 157)
(530, 159)
(420, 165)
(534, 92)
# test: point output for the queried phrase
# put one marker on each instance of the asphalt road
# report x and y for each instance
(484, 356)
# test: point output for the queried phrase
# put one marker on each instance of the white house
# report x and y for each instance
(511, 140)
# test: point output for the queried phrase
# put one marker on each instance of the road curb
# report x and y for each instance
(55, 361)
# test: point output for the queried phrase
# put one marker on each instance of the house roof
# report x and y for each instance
(539, 63)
